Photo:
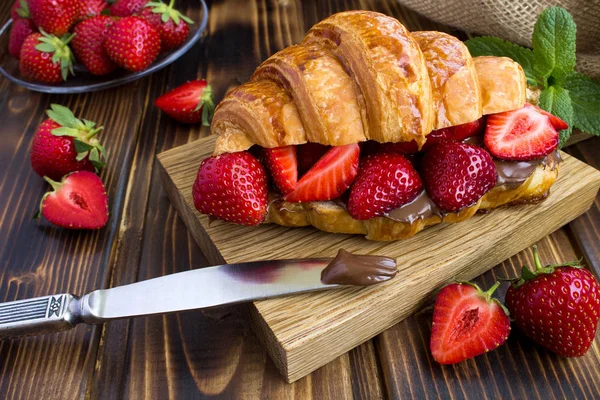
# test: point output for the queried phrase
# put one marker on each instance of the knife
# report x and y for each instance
(199, 288)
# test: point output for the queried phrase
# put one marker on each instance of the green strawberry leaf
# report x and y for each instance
(556, 101)
(554, 45)
(81, 156)
(64, 131)
(95, 159)
(63, 116)
(45, 48)
(23, 10)
(82, 147)
(493, 46)
(585, 98)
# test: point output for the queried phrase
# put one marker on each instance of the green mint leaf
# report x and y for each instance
(556, 101)
(493, 46)
(554, 45)
(585, 98)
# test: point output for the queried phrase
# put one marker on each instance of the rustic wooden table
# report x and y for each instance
(205, 355)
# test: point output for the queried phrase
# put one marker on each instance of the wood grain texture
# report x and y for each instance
(304, 332)
(215, 355)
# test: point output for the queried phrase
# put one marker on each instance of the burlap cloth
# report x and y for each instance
(514, 20)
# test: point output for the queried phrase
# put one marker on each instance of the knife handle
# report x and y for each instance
(55, 313)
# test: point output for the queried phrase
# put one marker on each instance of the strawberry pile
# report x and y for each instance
(372, 178)
(67, 154)
(49, 36)
(557, 306)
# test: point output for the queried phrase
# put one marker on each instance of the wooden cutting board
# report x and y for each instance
(304, 332)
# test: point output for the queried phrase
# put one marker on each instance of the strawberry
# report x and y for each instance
(372, 147)
(308, 155)
(283, 166)
(384, 182)
(20, 29)
(87, 44)
(556, 122)
(170, 23)
(456, 133)
(64, 144)
(46, 58)
(54, 16)
(127, 8)
(79, 201)
(557, 306)
(457, 174)
(132, 43)
(232, 187)
(189, 103)
(467, 322)
(331, 176)
(522, 134)
(91, 8)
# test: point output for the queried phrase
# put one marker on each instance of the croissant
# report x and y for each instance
(358, 76)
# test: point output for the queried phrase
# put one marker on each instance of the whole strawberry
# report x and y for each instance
(190, 103)
(385, 181)
(79, 201)
(54, 16)
(467, 322)
(91, 8)
(64, 144)
(557, 306)
(22, 27)
(232, 187)
(170, 23)
(46, 58)
(127, 8)
(87, 44)
(132, 43)
(457, 174)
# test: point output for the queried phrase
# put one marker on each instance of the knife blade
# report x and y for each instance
(194, 289)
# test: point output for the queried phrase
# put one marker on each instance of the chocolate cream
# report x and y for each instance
(360, 270)
(421, 207)
(514, 173)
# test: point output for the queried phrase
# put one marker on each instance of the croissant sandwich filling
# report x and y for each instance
(367, 128)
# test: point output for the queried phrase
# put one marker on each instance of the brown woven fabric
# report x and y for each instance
(513, 20)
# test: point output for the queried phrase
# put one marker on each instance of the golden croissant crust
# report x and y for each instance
(360, 75)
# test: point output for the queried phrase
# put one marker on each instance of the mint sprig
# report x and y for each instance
(571, 96)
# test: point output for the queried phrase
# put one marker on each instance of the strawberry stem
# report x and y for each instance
(171, 3)
(55, 185)
(488, 293)
(536, 258)
(93, 133)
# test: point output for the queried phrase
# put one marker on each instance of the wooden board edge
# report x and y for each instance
(201, 237)
(293, 370)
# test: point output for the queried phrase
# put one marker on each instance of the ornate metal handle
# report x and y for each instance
(54, 313)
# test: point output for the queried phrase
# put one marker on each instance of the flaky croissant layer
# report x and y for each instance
(360, 75)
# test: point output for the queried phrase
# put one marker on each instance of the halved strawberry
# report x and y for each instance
(79, 201)
(283, 166)
(331, 176)
(556, 122)
(308, 155)
(522, 134)
(372, 147)
(467, 322)
(458, 133)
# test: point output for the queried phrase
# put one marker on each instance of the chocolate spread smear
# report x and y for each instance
(360, 270)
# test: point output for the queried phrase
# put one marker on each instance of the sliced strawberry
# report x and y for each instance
(384, 182)
(79, 201)
(523, 134)
(556, 122)
(232, 187)
(466, 322)
(331, 176)
(456, 133)
(283, 166)
(308, 155)
(189, 103)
